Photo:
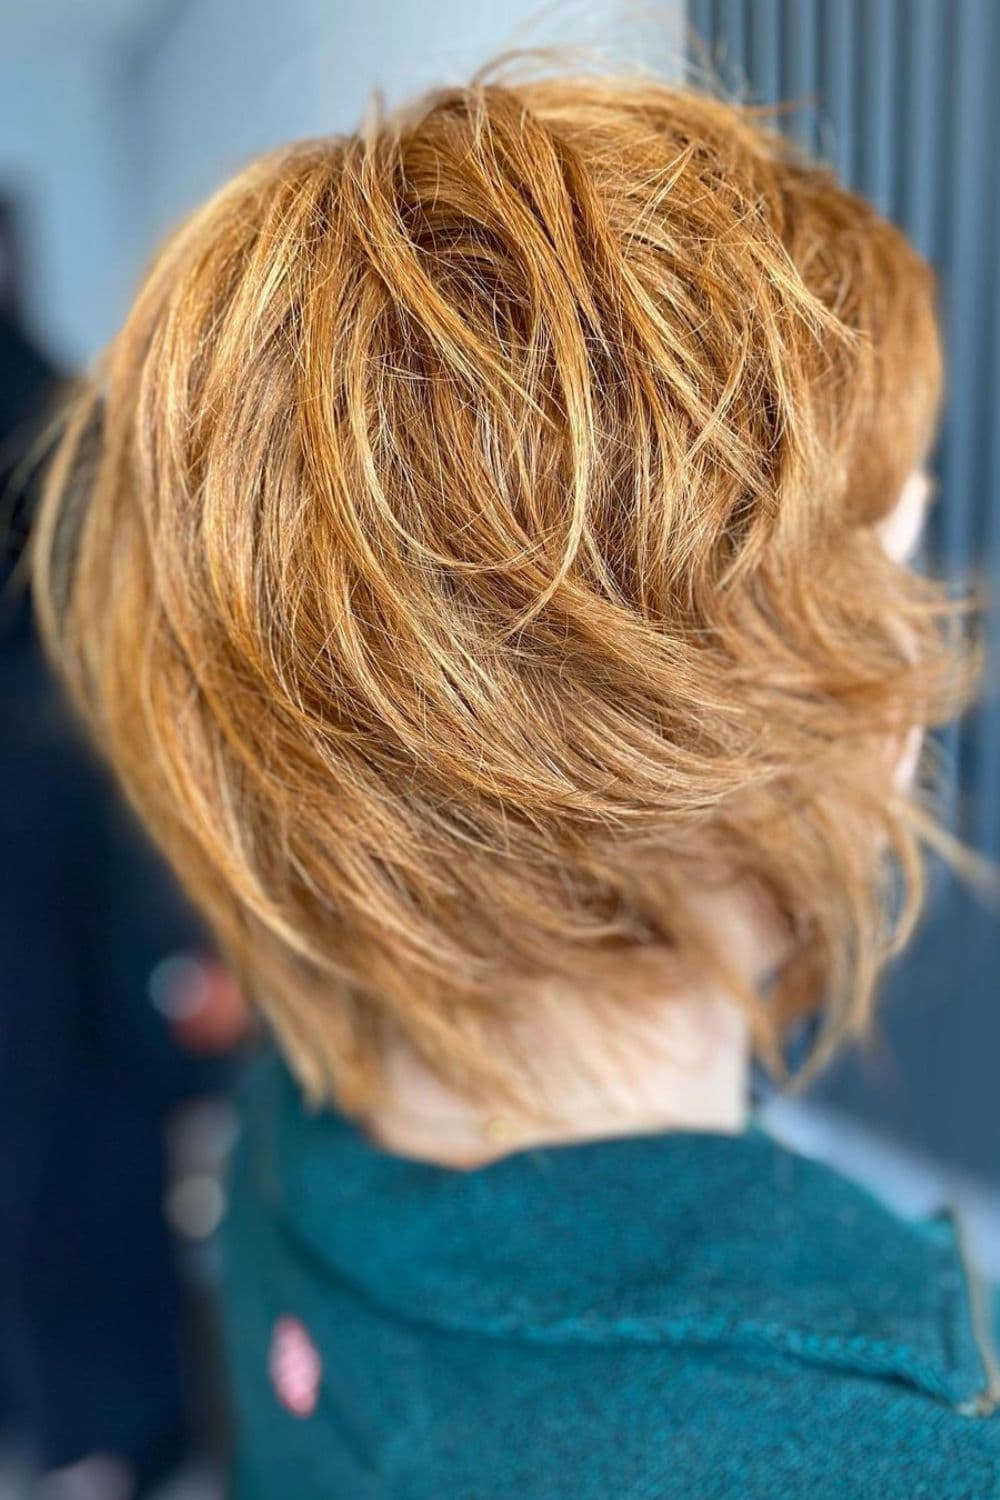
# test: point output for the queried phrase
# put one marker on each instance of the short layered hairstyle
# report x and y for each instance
(466, 550)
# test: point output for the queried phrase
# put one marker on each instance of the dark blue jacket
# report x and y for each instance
(684, 1315)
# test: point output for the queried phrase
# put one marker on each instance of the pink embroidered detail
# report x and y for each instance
(294, 1366)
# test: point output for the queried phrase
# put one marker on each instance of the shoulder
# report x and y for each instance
(664, 1317)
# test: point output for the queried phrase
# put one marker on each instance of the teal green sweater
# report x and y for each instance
(682, 1315)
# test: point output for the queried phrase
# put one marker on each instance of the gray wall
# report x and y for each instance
(64, 132)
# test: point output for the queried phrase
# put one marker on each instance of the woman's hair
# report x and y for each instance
(467, 545)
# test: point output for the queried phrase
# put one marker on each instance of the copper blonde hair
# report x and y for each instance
(467, 543)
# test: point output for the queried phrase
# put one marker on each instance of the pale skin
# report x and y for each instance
(687, 1070)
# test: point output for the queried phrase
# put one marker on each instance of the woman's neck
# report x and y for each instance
(685, 1068)
(676, 1063)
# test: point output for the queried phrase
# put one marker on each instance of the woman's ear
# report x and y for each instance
(899, 532)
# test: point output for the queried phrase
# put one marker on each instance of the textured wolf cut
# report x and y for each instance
(467, 545)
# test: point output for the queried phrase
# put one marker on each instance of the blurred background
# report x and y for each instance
(119, 1034)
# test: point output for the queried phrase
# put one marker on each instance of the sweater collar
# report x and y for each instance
(680, 1238)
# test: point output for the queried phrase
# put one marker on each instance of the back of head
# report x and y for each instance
(477, 557)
